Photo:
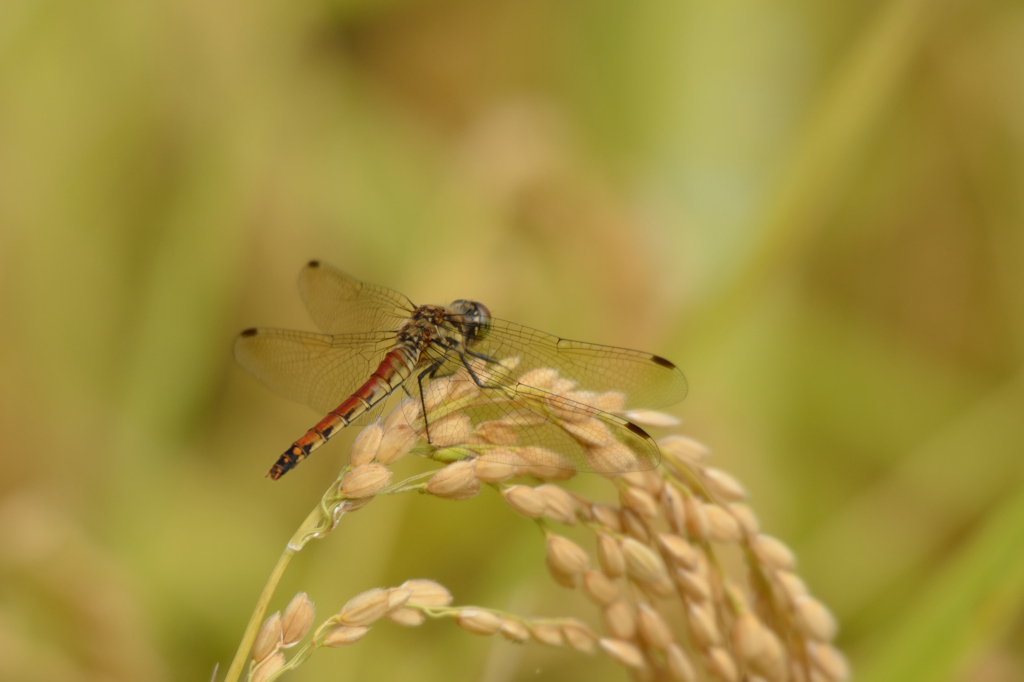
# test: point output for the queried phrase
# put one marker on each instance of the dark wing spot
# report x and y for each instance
(637, 430)
(250, 332)
(658, 360)
(313, 263)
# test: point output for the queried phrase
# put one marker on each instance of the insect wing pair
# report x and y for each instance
(563, 396)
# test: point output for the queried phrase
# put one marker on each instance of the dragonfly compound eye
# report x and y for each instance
(472, 318)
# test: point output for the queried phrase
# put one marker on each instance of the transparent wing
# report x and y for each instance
(486, 407)
(320, 370)
(647, 380)
(342, 304)
(555, 432)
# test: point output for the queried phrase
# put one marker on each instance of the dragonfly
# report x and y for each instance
(564, 396)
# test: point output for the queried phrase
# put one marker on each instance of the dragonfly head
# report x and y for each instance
(473, 319)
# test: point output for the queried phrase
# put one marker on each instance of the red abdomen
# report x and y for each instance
(394, 369)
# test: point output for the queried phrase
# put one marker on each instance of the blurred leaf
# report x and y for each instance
(892, 529)
(963, 610)
(822, 160)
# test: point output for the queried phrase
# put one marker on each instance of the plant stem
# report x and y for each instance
(268, 592)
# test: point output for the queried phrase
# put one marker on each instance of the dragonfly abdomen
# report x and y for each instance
(394, 369)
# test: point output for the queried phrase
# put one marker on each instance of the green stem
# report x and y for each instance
(256, 619)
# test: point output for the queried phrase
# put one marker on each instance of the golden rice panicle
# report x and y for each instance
(650, 557)
(556, 632)
(415, 600)
(403, 605)
(763, 624)
(659, 552)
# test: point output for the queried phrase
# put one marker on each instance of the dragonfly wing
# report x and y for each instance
(647, 380)
(320, 370)
(339, 303)
(521, 430)
(512, 422)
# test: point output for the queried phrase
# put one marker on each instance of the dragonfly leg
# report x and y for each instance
(472, 374)
(428, 372)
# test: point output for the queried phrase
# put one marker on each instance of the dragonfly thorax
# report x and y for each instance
(425, 325)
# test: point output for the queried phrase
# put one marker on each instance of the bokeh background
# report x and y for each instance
(814, 208)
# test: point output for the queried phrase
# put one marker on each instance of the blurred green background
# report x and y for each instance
(814, 208)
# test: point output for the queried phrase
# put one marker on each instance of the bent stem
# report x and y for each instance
(291, 549)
